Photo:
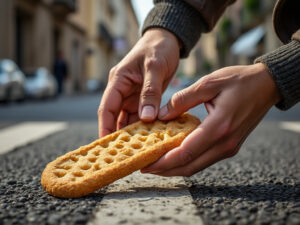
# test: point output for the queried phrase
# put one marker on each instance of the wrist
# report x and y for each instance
(270, 83)
(162, 34)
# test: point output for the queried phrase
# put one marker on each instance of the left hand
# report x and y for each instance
(236, 99)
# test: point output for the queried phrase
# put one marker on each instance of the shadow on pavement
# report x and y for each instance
(144, 192)
(256, 192)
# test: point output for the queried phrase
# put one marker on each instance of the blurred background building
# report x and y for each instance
(244, 32)
(90, 35)
(93, 35)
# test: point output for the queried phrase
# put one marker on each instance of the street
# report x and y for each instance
(260, 185)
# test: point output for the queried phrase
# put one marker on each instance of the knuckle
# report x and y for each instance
(224, 130)
(178, 99)
(186, 156)
(100, 111)
(112, 72)
(204, 83)
(149, 90)
(151, 63)
(231, 148)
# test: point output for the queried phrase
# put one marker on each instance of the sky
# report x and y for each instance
(142, 7)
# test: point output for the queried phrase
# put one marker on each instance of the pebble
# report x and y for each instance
(54, 219)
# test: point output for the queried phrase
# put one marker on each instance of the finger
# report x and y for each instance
(129, 108)
(133, 117)
(151, 93)
(206, 159)
(201, 91)
(121, 85)
(202, 138)
(126, 119)
(209, 107)
(109, 110)
(122, 120)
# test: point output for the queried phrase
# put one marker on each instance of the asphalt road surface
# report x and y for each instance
(260, 185)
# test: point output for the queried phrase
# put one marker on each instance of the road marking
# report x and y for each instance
(147, 199)
(25, 133)
(293, 126)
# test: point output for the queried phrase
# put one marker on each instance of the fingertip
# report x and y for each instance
(163, 112)
(148, 113)
(103, 132)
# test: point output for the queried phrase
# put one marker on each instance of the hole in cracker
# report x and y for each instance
(121, 158)
(172, 133)
(136, 145)
(83, 152)
(114, 137)
(108, 160)
(77, 174)
(161, 136)
(180, 127)
(85, 166)
(142, 138)
(64, 167)
(73, 179)
(181, 121)
(156, 140)
(104, 144)
(96, 153)
(74, 158)
(144, 133)
(119, 146)
(128, 152)
(97, 167)
(92, 159)
(149, 128)
(112, 152)
(162, 127)
(125, 138)
(60, 173)
(131, 132)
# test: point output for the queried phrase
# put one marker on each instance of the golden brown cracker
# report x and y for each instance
(114, 156)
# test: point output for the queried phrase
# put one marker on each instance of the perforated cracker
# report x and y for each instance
(114, 156)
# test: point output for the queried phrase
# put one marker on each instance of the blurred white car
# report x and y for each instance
(12, 81)
(40, 84)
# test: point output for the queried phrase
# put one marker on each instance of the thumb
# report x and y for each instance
(150, 95)
(201, 91)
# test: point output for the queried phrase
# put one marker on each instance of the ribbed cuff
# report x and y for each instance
(284, 66)
(179, 18)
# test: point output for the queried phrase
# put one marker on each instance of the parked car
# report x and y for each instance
(40, 83)
(12, 81)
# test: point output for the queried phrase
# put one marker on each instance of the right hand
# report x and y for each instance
(135, 84)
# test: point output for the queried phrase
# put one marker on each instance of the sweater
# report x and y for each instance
(188, 19)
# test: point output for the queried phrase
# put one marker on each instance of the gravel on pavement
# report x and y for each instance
(260, 185)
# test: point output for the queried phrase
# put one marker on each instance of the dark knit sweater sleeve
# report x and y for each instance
(284, 66)
(179, 18)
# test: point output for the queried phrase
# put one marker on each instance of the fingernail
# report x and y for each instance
(163, 112)
(147, 112)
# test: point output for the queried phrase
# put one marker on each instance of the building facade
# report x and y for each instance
(91, 35)
(112, 32)
(214, 49)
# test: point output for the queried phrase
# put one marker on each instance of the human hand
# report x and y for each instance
(136, 84)
(236, 99)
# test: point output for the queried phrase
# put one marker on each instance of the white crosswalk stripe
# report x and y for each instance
(292, 126)
(147, 199)
(27, 132)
